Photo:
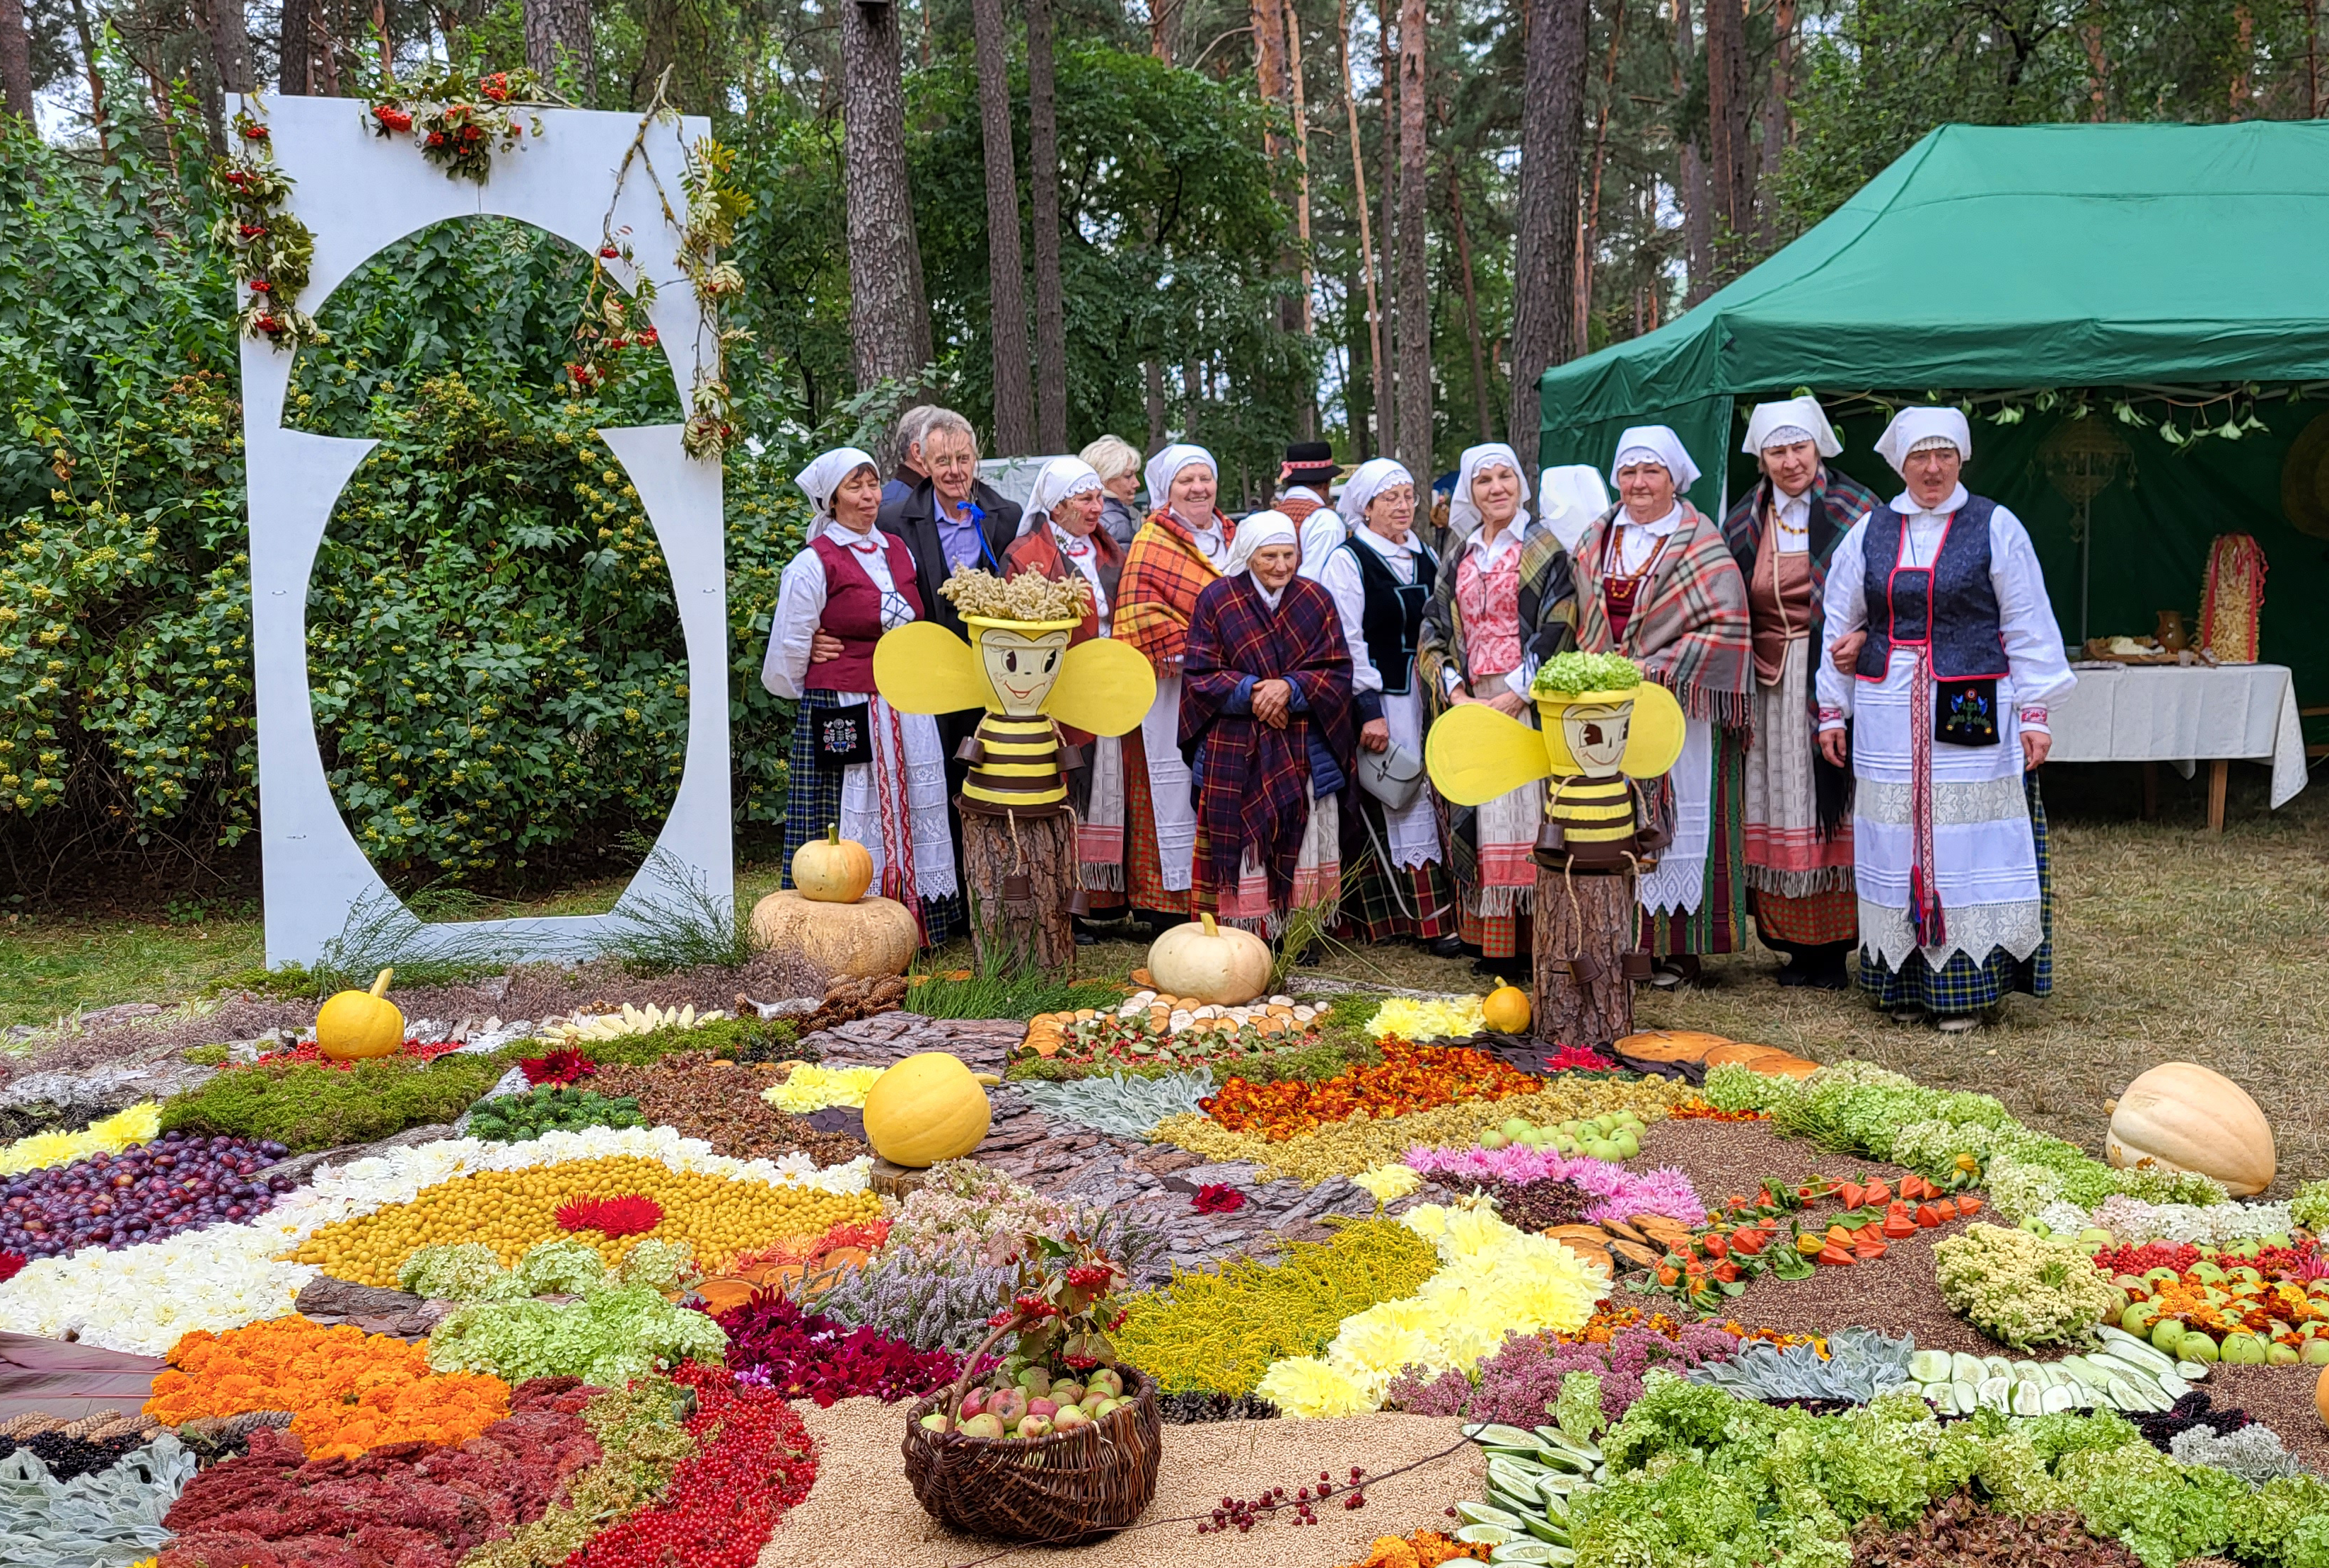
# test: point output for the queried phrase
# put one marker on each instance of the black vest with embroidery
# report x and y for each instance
(1952, 603)
(1393, 617)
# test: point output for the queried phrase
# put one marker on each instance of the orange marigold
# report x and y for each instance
(1409, 1078)
(347, 1390)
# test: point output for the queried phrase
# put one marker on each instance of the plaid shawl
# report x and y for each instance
(1547, 611)
(1548, 606)
(1164, 573)
(1690, 631)
(1253, 779)
(1838, 501)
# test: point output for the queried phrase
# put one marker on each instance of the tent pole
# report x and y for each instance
(2086, 559)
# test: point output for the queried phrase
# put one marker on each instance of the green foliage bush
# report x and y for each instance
(553, 1107)
(310, 1106)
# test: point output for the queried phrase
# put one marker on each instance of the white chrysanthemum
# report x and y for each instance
(1387, 1182)
(1304, 1386)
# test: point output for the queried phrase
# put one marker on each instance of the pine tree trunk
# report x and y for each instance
(1544, 242)
(1483, 395)
(1775, 118)
(1153, 375)
(1006, 274)
(889, 316)
(1026, 928)
(1378, 400)
(1729, 163)
(16, 61)
(1386, 229)
(1697, 219)
(1044, 175)
(295, 50)
(558, 36)
(1415, 443)
(230, 44)
(1595, 927)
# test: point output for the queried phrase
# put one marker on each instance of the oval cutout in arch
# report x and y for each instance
(495, 667)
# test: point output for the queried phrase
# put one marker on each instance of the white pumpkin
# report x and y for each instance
(2183, 1117)
(1204, 962)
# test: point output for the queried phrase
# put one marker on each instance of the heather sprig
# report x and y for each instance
(1622, 1194)
(1522, 1382)
(932, 1303)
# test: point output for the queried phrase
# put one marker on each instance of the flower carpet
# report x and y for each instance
(1395, 1289)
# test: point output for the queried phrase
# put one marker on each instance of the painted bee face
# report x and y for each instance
(1020, 668)
(1596, 733)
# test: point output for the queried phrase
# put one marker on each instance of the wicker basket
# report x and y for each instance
(1063, 1489)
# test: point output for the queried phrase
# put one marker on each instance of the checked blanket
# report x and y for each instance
(1254, 780)
(1689, 630)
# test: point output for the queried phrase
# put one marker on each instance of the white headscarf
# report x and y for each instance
(1060, 478)
(823, 476)
(1166, 465)
(1784, 423)
(1259, 529)
(1654, 444)
(1912, 428)
(1370, 479)
(1464, 518)
(1572, 498)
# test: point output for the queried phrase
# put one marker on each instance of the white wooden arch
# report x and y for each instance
(361, 193)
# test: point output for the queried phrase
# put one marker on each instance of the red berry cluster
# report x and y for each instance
(757, 1464)
(1242, 1514)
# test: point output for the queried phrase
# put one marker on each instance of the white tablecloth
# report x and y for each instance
(2180, 714)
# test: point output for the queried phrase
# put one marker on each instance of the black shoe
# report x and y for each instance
(1499, 968)
(1448, 947)
(1084, 939)
(1830, 977)
(1794, 977)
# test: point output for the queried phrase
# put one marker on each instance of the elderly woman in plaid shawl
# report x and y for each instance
(1265, 728)
(1180, 552)
(1798, 809)
(1503, 605)
(1656, 582)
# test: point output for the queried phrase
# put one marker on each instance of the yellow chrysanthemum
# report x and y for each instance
(1427, 1219)
(1304, 1386)
(811, 1087)
(1400, 1017)
(1386, 1182)
(1370, 1343)
(140, 1123)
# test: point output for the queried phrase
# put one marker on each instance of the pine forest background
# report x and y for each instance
(1201, 200)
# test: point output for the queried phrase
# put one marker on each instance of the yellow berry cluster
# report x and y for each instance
(514, 1211)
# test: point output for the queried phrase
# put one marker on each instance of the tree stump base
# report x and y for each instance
(1585, 922)
(1018, 874)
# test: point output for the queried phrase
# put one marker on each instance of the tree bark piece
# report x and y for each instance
(889, 314)
(1043, 177)
(1019, 927)
(1601, 925)
(1544, 243)
(1729, 163)
(558, 32)
(1006, 273)
(16, 61)
(1414, 443)
(296, 50)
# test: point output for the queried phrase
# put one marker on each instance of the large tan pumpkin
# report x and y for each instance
(872, 936)
(2181, 1116)
(1204, 962)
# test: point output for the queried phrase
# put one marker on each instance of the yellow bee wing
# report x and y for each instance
(1475, 754)
(1105, 687)
(1654, 740)
(920, 668)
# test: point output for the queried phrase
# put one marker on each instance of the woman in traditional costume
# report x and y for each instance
(1266, 729)
(1063, 537)
(855, 761)
(1382, 581)
(1502, 605)
(1943, 655)
(1179, 551)
(1798, 805)
(1656, 584)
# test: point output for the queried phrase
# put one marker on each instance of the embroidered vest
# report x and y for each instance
(1394, 612)
(853, 611)
(1950, 604)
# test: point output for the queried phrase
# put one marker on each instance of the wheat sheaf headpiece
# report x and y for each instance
(1030, 596)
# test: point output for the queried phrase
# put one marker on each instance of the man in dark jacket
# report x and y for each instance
(952, 518)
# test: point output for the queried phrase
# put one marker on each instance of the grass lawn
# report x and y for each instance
(2170, 944)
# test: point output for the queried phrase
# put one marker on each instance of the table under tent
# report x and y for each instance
(2135, 316)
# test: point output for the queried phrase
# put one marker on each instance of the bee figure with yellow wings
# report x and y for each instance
(1019, 667)
(1605, 728)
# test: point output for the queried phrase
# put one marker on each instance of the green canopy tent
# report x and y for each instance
(2181, 271)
